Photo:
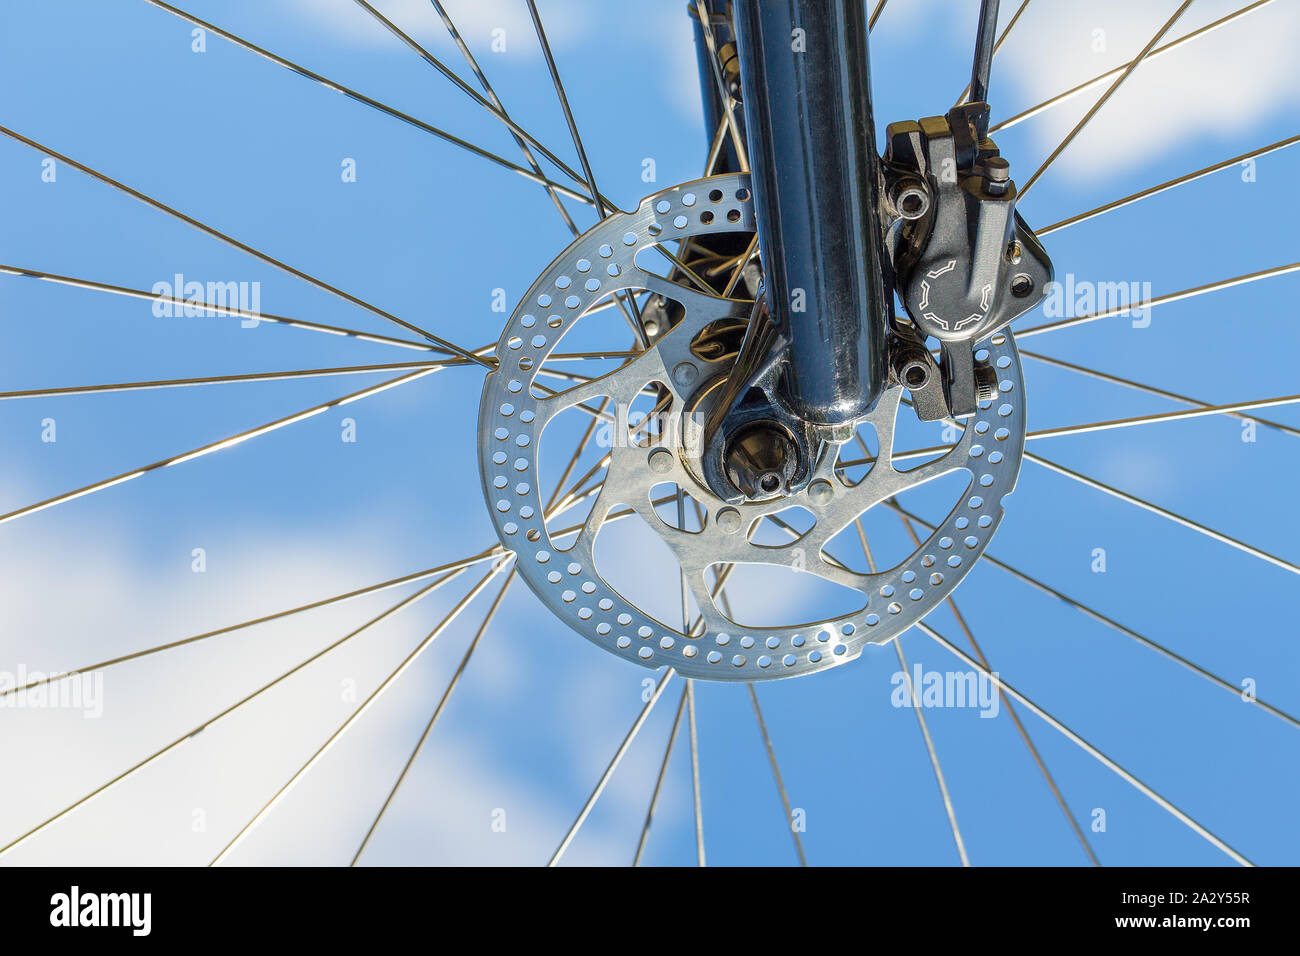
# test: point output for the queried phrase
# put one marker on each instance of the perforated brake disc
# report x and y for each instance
(516, 409)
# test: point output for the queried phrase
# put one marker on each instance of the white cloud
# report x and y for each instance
(567, 22)
(1220, 84)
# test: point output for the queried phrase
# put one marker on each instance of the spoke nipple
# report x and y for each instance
(728, 520)
(661, 461)
(820, 492)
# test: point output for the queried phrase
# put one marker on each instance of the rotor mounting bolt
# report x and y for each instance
(685, 374)
(661, 461)
(820, 492)
(728, 520)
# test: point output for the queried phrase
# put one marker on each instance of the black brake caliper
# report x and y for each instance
(965, 263)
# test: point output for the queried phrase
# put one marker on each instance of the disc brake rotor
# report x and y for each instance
(516, 409)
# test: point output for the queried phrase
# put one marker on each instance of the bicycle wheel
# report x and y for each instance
(290, 345)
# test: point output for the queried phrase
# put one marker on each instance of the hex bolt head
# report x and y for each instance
(728, 520)
(820, 492)
(661, 461)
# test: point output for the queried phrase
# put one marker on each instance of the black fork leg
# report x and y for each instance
(811, 141)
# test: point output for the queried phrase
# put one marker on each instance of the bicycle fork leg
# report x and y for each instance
(815, 357)
(805, 80)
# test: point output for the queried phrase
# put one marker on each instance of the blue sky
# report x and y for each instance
(428, 232)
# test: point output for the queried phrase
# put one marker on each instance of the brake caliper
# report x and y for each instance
(965, 263)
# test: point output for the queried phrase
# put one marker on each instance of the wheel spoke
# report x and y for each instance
(241, 246)
(1111, 623)
(365, 705)
(776, 774)
(242, 378)
(1166, 513)
(949, 809)
(189, 735)
(611, 767)
(1103, 77)
(214, 308)
(1088, 747)
(1011, 712)
(1096, 107)
(218, 445)
(1162, 417)
(437, 711)
(515, 129)
(697, 802)
(1148, 389)
(659, 780)
(367, 101)
(1169, 184)
(875, 15)
(1160, 300)
(724, 97)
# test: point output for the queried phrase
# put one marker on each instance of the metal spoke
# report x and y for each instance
(460, 565)
(516, 130)
(373, 104)
(949, 809)
(214, 308)
(1160, 300)
(1169, 184)
(1088, 747)
(218, 445)
(1148, 389)
(1096, 107)
(620, 300)
(1111, 623)
(659, 781)
(496, 102)
(1011, 712)
(875, 15)
(696, 800)
(632, 313)
(612, 766)
(1162, 417)
(724, 97)
(776, 774)
(1165, 513)
(365, 705)
(191, 734)
(437, 711)
(588, 176)
(1103, 77)
(245, 377)
(242, 247)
